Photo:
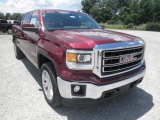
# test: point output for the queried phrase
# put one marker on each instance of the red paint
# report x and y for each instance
(54, 45)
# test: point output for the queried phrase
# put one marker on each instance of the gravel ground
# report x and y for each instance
(21, 97)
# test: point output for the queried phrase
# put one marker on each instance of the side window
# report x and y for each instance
(27, 18)
(35, 19)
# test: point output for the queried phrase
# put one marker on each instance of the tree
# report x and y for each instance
(134, 7)
(7, 16)
(2, 15)
(101, 10)
(87, 5)
(125, 11)
(16, 16)
(156, 10)
(146, 11)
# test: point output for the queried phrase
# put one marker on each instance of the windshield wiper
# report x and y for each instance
(53, 29)
(77, 28)
(67, 28)
(86, 28)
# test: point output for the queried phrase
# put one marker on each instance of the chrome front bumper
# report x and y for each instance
(93, 91)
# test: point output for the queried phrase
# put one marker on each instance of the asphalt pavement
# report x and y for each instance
(21, 96)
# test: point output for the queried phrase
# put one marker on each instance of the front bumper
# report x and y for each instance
(93, 91)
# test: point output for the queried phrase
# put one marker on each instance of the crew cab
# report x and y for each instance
(5, 26)
(78, 59)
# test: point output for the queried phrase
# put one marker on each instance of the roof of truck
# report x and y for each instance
(55, 10)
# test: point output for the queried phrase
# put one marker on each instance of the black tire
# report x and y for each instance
(9, 31)
(56, 100)
(18, 53)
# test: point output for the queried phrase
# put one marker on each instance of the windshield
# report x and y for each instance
(68, 20)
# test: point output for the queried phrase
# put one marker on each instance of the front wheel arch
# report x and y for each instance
(43, 58)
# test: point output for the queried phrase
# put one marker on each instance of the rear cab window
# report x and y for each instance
(31, 18)
(35, 19)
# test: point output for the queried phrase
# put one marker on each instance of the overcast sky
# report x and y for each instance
(27, 5)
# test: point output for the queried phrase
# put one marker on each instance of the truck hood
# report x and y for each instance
(87, 38)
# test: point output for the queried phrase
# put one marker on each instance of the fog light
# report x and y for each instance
(76, 88)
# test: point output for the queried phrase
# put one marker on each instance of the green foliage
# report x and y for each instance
(101, 10)
(153, 26)
(88, 5)
(16, 16)
(156, 10)
(130, 25)
(135, 12)
(1, 15)
(128, 19)
(8, 16)
(112, 22)
(124, 27)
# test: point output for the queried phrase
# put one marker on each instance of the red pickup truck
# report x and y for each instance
(78, 59)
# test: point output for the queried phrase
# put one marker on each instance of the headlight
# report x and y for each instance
(81, 60)
(78, 58)
(84, 58)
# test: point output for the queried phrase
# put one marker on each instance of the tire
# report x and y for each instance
(9, 31)
(49, 85)
(18, 53)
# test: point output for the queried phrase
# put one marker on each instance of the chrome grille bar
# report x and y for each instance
(117, 64)
(100, 57)
(112, 63)
(109, 71)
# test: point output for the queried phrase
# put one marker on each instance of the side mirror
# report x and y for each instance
(30, 27)
(27, 25)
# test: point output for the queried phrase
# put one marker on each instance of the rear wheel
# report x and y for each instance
(49, 85)
(18, 53)
(9, 31)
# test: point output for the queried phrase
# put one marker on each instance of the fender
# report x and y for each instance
(45, 54)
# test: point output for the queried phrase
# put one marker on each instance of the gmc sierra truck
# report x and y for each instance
(78, 59)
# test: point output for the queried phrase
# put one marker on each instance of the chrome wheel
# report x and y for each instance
(9, 31)
(47, 84)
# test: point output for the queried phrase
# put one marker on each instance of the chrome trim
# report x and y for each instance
(115, 57)
(98, 49)
(117, 64)
(126, 68)
(80, 66)
(93, 91)
(118, 50)
(120, 45)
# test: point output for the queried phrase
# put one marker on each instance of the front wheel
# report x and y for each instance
(49, 85)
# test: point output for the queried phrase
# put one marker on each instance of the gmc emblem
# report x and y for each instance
(127, 58)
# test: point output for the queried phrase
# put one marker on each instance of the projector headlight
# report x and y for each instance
(77, 59)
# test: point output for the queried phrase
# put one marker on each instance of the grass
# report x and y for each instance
(124, 27)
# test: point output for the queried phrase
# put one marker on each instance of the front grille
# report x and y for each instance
(112, 64)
